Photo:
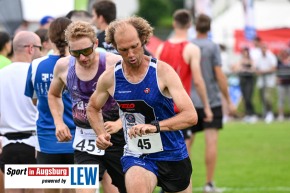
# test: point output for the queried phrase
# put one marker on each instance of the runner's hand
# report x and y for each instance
(103, 141)
(62, 133)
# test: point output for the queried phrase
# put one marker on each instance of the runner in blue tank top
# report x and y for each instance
(145, 90)
(38, 81)
(79, 73)
(40, 75)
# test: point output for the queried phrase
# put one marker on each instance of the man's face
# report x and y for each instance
(37, 49)
(129, 46)
(83, 50)
(96, 19)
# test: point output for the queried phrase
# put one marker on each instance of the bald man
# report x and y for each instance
(17, 113)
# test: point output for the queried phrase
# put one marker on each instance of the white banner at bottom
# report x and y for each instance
(51, 176)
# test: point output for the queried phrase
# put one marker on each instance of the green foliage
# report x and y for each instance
(154, 10)
(159, 12)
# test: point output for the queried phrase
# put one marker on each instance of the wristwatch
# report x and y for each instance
(156, 124)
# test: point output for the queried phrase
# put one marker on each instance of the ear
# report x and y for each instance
(173, 24)
(8, 47)
(97, 42)
(102, 18)
(30, 50)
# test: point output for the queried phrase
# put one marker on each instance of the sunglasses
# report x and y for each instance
(35, 46)
(85, 51)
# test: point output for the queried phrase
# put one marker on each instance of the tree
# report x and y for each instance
(154, 10)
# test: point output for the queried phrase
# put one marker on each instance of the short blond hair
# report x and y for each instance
(80, 29)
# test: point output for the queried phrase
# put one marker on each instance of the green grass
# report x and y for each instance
(252, 158)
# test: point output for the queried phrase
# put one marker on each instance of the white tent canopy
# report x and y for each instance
(267, 15)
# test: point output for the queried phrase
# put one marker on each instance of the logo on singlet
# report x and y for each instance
(45, 77)
(127, 106)
(130, 118)
(147, 90)
(124, 91)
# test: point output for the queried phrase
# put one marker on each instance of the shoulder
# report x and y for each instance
(38, 60)
(35, 63)
(191, 47)
(164, 69)
(62, 64)
(112, 59)
(107, 77)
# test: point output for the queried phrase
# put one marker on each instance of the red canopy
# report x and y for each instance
(276, 39)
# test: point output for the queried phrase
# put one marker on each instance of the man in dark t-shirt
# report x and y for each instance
(104, 12)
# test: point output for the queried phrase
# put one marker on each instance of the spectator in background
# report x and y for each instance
(104, 12)
(45, 42)
(39, 77)
(245, 68)
(283, 79)
(233, 82)
(22, 27)
(184, 57)
(18, 115)
(216, 84)
(5, 48)
(45, 22)
(79, 15)
(266, 66)
(255, 51)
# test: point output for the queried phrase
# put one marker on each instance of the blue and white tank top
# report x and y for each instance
(39, 77)
(143, 102)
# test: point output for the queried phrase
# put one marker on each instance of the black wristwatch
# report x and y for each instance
(156, 124)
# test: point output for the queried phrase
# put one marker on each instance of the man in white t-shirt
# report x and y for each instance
(17, 113)
(266, 66)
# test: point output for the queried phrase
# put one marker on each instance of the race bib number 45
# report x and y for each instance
(85, 140)
(150, 143)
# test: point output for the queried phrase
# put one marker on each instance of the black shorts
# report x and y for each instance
(110, 162)
(172, 176)
(17, 153)
(62, 158)
(217, 122)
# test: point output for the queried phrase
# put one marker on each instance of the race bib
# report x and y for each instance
(85, 140)
(150, 143)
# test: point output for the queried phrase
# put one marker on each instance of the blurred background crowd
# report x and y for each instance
(254, 39)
